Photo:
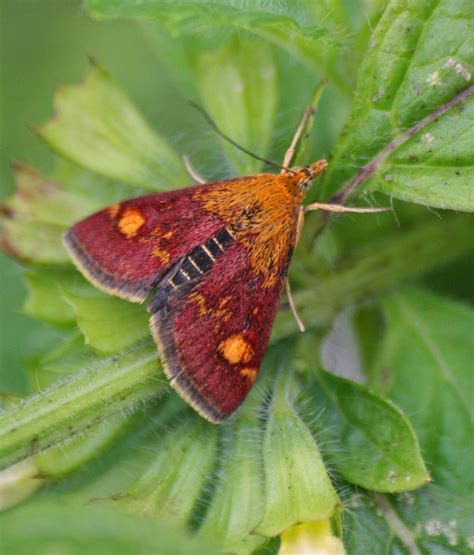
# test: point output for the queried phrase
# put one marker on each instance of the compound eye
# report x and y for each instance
(305, 186)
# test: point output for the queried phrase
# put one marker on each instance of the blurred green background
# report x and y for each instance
(45, 43)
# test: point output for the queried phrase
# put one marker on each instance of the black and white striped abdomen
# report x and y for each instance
(189, 270)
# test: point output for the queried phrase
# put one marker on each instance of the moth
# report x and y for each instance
(212, 261)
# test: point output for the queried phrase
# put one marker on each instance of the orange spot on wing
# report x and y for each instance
(160, 253)
(250, 373)
(131, 221)
(205, 310)
(114, 209)
(236, 349)
(224, 301)
(200, 300)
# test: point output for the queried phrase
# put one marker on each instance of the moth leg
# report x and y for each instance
(341, 208)
(294, 142)
(299, 226)
(192, 172)
(293, 307)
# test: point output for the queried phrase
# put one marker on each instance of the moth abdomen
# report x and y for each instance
(189, 270)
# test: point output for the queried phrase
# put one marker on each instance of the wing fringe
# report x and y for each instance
(177, 376)
(103, 280)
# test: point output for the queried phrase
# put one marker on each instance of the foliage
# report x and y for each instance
(119, 451)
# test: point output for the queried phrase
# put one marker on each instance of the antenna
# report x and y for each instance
(211, 122)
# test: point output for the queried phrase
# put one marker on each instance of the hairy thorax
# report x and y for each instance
(261, 212)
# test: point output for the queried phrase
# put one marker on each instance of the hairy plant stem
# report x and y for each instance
(83, 401)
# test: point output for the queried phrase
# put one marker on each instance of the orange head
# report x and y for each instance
(302, 177)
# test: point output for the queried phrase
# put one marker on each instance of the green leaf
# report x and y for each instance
(425, 366)
(66, 356)
(295, 30)
(428, 520)
(45, 295)
(378, 447)
(237, 504)
(122, 462)
(36, 215)
(88, 397)
(297, 487)
(270, 547)
(31, 241)
(244, 102)
(57, 462)
(169, 487)
(108, 324)
(40, 199)
(90, 186)
(54, 527)
(443, 521)
(408, 126)
(97, 127)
